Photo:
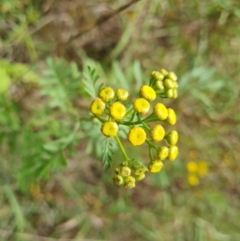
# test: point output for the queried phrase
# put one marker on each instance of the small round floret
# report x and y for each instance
(171, 75)
(97, 107)
(157, 133)
(109, 128)
(192, 167)
(159, 85)
(141, 106)
(161, 111)
(169, 84)
(157, 76)
(140, 177)
(125, 171)
(117, 111)
(106, 94)
(171, 118)
(163, 153)
(137, 136)
(173, 153)
(122, 94)
(129, 182)
(117, 179)
(193, 180)
(155, 166)
(175, 94)
(148, 93)
(164, 72)
(172, 137)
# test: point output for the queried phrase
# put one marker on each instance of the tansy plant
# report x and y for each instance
(145, 119)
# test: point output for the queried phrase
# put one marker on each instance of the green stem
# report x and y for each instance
(146, 126)
(122, 148)
(151, 144)
(129, 111)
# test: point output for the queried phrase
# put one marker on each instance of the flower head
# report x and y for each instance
(137, 136)
(125, 171)
(159, 85)
(140, 177)
(157, 133)
(117, 179)
(173, 153)
(117, 111)
(172, 76)
(171, 118)
(148, 93)
(169, 84)
(163, 153)
(97, 107)
(192, 167)
(172, 137)
(161, 111)
(202, 168)
(164, 72)
(193, 180)
(122, 94)
(155, 166)
(109, 128)
(141, 106)
(106, 94)
(129, 182)
(157, 76)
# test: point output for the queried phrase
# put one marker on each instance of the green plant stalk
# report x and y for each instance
(122, 148)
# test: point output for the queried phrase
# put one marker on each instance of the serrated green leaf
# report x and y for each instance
(107, 153)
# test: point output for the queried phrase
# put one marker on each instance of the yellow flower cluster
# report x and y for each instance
(128, 175)
(196, 170)
(165, 82)
(142, 118)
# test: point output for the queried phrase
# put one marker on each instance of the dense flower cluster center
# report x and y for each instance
(142, 121)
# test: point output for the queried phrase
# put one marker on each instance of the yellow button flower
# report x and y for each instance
(157, 76)
(157, 133)
(175, 94)
(192, 167)
(122, 94)
(169, 93)
(117, 111)
(129, 182)
(109, 128)
(137, 136)
(117, 179)
(141, 106)
(97, 107)
(173, 153)
(106, 94)
(164, 72)
(148, 93)
(155, 166)
(202, 168)
(171, 118)
(171, 75)
(159, 85)
(140, 177)
(172, 137)
(161, 111)
(169, 84)
(125, 171)
(163, 153)
(193, 180)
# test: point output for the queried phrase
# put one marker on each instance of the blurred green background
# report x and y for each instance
(53, 185)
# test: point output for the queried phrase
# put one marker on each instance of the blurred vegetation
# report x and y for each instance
(52, 182)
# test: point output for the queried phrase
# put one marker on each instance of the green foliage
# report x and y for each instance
(60, 83)
(107, 152)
